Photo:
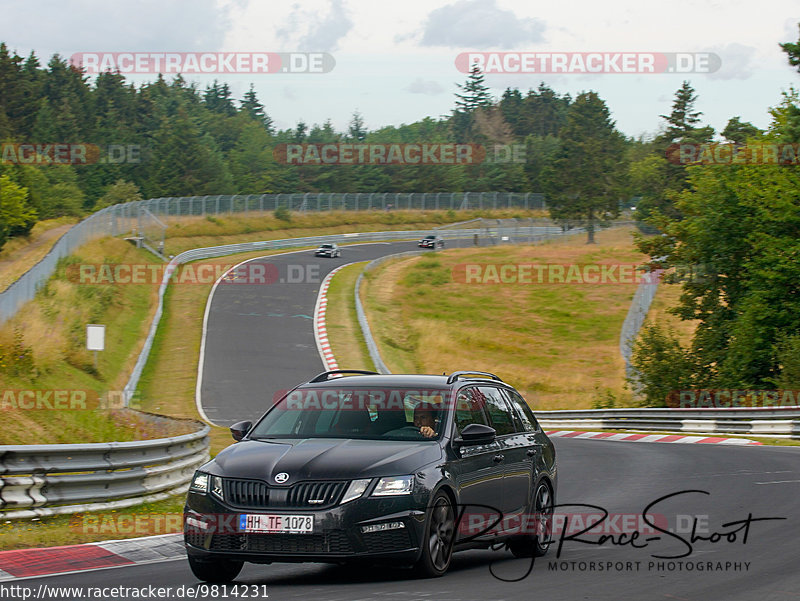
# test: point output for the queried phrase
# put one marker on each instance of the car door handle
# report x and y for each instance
(498, 458)
(531, 452)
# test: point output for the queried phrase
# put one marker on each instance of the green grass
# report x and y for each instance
(558, 343)
(51, 330)
(344, 332)
(90, 527)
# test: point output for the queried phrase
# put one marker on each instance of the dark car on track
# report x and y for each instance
(328, 249)
(431, 242)
(357, 466)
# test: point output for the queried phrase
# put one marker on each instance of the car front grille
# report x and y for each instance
(246, 493)
(196, 539)
(389, 540)
(314, 494)
(256, 494)
(334, 541)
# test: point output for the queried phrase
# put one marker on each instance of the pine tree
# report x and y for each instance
(738, 131)
(251, 106)
(683, 119)
(792, 51)
(584, 179)
(356, 129)
(475, 93)
(12, 100)
(17, 217)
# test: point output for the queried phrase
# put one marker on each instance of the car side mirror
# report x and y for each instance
(478, 434)
(239, 429)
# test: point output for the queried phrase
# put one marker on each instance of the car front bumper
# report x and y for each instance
(337, 536)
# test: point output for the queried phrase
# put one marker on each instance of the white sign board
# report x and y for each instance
(95, 337)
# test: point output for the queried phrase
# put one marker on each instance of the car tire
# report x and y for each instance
(437, 541)
(215, 570)
(538, 543)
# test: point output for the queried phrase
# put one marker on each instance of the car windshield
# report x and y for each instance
(360, 413)
(326, 246)
(430, 237)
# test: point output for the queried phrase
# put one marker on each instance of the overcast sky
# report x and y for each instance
(395, 61)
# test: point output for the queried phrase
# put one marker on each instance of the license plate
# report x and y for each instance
(287, 524)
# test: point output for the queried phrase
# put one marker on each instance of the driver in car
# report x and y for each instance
(424, 420)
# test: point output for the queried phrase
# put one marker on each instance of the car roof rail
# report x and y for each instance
(481, 374)
(326, 375)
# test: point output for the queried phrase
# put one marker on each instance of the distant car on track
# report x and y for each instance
(358, 466)
(431, 242)
(328, 249)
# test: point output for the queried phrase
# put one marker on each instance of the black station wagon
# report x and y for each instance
(357, 466)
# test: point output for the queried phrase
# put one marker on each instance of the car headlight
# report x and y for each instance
(216, 487)
(355, 490)
(199, 482)
(396, 485)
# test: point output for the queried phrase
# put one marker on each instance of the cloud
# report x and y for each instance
(736, 61)
(479, 24)
(145, 25)
(427, 87)
(321, 33)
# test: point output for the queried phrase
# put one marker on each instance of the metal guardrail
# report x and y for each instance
(229, 249)
(46, 480)
(372, 346)
(127, 218)
(778, 422)
(637, 313)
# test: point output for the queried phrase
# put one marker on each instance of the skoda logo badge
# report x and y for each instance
(281, 478)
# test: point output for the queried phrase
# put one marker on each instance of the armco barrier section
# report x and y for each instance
(779, 422)
(640, 305)
(511, 234)
(372, 346)
(128, 218)
(46, 480)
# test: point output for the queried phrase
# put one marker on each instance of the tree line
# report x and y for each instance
(730, 236)
(171, 138)
(736, 226)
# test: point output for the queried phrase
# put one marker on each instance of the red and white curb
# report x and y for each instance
(320, 329)
(31, 563)
(673, 438)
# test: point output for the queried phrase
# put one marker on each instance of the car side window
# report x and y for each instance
(500, 415)
(524, 410)
(469, 409)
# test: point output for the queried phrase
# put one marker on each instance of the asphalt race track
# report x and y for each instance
(260, 341)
